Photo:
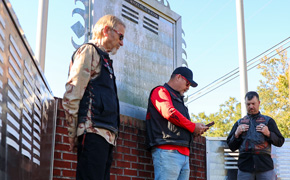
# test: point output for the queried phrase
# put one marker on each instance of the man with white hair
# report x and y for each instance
(91, 103)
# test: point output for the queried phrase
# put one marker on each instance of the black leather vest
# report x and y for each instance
(160, 131)
(253, 141)
(101, 94)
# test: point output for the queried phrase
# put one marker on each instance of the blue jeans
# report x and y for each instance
(170, 165)
(267, 175)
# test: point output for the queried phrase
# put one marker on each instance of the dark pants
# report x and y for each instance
(94, 158)
(267, 175)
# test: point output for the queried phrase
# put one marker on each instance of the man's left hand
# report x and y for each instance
(200, 129)
(263, 129)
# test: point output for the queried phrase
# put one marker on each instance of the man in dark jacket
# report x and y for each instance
(169, 129)
(253, 136)
(91, 103)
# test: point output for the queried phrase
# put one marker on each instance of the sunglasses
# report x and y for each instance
(121, 36)
(187, 82)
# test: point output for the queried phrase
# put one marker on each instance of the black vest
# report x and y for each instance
(160, 131)
(101, 93)
(253, 141)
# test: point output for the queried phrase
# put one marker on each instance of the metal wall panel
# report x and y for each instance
(281, 158)
(27, 106)
(222, 162)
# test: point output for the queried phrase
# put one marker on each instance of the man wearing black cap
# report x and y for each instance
(169, 129)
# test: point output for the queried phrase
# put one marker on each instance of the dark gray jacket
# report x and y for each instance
(254, 147)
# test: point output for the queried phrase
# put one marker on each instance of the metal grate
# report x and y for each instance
(231, 159)
(150, 25)
(130, 14)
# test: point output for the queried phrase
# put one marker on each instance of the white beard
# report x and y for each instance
(114, 51)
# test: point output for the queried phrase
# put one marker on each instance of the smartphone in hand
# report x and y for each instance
(210, 124)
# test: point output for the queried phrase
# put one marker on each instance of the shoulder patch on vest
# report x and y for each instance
(260, 119)
(245, 120)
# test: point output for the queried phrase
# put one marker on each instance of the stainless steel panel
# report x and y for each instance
(27, 106)
(222, 163)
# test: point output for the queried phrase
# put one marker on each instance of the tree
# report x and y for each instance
(228, 114)
(274, 92)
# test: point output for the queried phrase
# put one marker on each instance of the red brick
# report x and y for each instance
(198, 174)
(56, 172)
(133, 138)
(130, 130)
(59, 178)
(141, 139)
(141, 146)
(59, 121)
(61, 147)
(129, 143)
(123, 178)
(130, 158)
(113, 177)
(61, 130)
(65, 139)
(200, 158)
(138, 166)
(123, 164)
(138, 152)
(120, 142)
(116, 171)
(121, 127)
(144, 160)
(114, 164)
(69, 173)
(57, 155)
(125, 136)
(123, 149)
(200, 169)
(58, 138)
(144, 174)
(118, 155)
(130, 172)
(74, 165)
(136, 178)
(62, 164)
(59, 103)
(60, 113)
(148, 154)
(68, 156)
(149, 167)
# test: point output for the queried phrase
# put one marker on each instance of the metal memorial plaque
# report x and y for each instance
(27, 106)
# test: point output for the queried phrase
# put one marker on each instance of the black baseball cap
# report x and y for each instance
(187, 73)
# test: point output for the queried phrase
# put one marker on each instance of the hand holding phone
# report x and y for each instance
(210, 124)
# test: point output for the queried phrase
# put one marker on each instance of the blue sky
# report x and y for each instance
(210, 36)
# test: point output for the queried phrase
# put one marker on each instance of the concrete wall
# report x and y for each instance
(131, 159)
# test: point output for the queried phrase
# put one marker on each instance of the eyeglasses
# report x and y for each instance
(187, 82)
(121, 36)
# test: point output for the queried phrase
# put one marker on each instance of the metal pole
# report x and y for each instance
(242, 54)
(41, 32)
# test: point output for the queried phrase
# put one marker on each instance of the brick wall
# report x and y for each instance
(131, 159)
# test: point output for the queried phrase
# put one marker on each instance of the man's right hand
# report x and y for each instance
(241, 128)
(72, 144)
(200, 128)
